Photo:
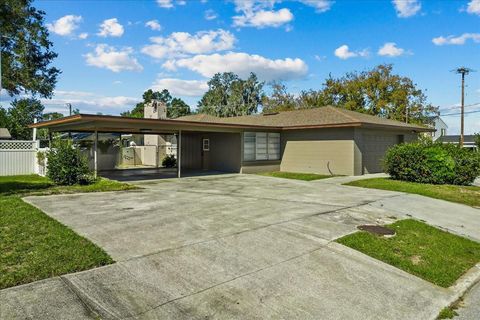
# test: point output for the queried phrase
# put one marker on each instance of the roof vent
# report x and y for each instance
(270, 113)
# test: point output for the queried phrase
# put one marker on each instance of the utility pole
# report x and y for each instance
(463, 71)
(69, 105)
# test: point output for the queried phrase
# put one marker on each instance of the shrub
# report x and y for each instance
(435, 163)
(169, 161)
(66, 166)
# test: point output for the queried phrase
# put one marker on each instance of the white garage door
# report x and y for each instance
(374, 148)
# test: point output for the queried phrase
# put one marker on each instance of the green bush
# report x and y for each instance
(66, 166)
(436, 163)
(169, 161)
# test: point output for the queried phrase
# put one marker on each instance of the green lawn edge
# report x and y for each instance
(33, 245)
(468, 195)
(432, 254)
(295, 175)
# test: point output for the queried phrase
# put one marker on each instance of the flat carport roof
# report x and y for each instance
(101, 123)
(115, 124)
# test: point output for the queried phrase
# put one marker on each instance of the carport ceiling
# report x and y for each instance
(100, 123)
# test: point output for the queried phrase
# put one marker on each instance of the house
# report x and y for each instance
(5, 134)
(468, 140)
(440, 129)
(324, 140)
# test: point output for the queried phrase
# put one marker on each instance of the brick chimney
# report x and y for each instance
(156, 109)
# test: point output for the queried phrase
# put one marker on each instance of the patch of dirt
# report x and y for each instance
(376, 229)
(416, 260)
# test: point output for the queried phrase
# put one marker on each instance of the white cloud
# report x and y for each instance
(242, 64)
(406, 8)
(261, 13)
(390, 49)
(165, 3)
(474, 7)
(110, 28)
(343, 52)
(87, 101)
(112, 59)
(453, 40)
(181, 43)
(188, 88)
(319, 5)
(154, 25)
(65, 25)
(83, 35)
(263, 18)
(210, 14)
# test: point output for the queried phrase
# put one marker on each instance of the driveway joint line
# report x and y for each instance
(322, 246)
(263, 226)
(75, 290)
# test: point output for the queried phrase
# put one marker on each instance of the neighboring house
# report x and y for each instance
(468, 140)
(325, 140)
(440, 129)
(5, 134)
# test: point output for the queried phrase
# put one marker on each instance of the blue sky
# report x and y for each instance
(110, 52)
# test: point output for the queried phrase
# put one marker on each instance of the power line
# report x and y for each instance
(453, 107)
(458, 113)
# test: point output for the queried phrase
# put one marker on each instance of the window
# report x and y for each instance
(443, 132)
(261, 146)
(206, 144)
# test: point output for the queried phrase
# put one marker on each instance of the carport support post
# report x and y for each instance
(179, 154)
(95, 145)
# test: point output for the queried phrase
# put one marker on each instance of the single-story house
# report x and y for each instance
(326, 140)
(468, 140)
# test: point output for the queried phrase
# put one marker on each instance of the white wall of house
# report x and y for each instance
(441, 129)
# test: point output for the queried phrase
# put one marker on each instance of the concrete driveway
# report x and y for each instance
(234, 247)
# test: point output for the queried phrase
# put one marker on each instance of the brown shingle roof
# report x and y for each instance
(321, 117)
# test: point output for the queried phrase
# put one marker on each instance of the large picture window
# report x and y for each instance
(261, 146)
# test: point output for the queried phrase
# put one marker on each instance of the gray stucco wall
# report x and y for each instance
(373, 143)
(224, 154)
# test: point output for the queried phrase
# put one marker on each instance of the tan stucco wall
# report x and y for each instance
(260, 166)
(322, 151)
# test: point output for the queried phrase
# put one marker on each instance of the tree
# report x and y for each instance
(378, 92)
(51, 116)
(26, 50)
(42, 133)
(177, 108)
(3, 118)
(181, 108)
(21, 114)
(279, 100)
(229, 96)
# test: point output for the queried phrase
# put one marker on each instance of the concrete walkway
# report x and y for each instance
(236, 247)
(470, 307)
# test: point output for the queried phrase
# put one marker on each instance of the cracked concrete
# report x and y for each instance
(230, 246)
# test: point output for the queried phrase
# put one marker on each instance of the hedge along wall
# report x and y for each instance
(435, 163)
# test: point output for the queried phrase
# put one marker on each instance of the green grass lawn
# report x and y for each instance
(295, 175)
(37, 185)
(34, 246)
(469, 195)
(427, 252)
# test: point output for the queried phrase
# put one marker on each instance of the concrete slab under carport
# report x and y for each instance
(236, 246)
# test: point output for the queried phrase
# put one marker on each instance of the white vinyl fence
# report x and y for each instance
(19, 157)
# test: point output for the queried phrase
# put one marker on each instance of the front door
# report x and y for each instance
(205, 153)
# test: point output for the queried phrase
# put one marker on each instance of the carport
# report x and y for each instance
(200, 146)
